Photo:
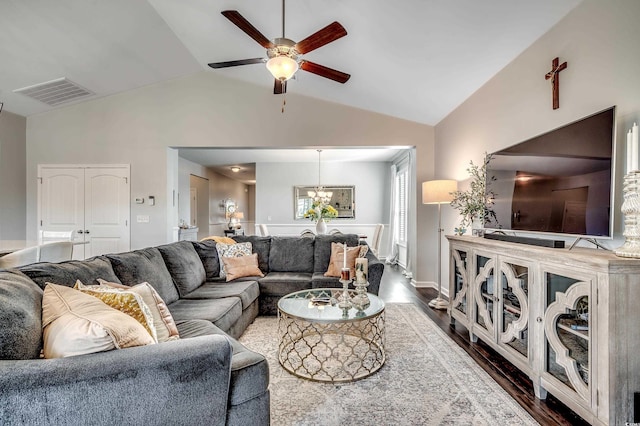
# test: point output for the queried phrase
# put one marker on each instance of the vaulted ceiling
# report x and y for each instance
(414, 59)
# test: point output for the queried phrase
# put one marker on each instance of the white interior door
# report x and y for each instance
(91, 201)
(106, 214)
(61, 203)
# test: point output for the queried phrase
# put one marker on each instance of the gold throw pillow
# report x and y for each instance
(337, 259)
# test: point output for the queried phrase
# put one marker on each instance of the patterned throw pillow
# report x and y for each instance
(243, 266)
(126, 301)
(337, 259)
(162, 319)
(75, 323)
(231, 250)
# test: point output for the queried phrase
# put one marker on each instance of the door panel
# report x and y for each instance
(106, 210)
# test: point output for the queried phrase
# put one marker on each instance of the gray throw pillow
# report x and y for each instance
(20, 316)
(209, 257)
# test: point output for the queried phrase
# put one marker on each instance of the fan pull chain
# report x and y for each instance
(284, 101)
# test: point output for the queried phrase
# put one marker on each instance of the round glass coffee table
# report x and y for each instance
(320, 341)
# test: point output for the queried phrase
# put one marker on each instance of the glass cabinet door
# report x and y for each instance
(484, 293)
(567, 332)
(460, 285)
(514, 331)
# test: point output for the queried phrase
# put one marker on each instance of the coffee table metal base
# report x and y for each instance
(333, 351)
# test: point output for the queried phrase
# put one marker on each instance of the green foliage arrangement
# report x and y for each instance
(478, 199)
(319, 210)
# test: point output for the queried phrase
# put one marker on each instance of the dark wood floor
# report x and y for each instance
(396, 288)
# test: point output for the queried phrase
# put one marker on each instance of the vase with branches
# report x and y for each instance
(477, 201)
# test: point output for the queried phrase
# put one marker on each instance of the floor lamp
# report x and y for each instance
(439, 192)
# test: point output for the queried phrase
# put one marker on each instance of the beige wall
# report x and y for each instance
(12, 176)
(599, 40)
(204, 109)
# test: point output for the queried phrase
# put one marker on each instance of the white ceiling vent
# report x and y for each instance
(55, 92)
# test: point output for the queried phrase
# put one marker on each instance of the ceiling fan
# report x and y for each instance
(284, 55)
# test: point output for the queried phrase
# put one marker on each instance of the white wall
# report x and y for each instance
(204, 109)
(13, 200)
(275, 192)
(600, 41)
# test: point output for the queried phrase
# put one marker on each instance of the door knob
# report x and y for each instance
(86, 232)
(80, 231)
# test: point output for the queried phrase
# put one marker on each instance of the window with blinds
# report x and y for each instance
(402, 204)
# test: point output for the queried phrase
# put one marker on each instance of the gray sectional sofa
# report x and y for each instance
(205, 377)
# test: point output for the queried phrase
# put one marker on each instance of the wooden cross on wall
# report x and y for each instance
(554, 75)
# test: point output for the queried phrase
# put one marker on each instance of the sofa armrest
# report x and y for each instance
(178, 382)
(376, 269)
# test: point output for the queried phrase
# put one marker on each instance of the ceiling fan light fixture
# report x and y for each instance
(282, 67)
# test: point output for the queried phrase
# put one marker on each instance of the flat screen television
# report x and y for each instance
(560, 182)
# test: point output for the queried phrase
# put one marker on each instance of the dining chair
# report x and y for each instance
(307, 233)
(264, 231)
(56, 252)
(51, 236)
(377, 237)
(22, 257)
(335, 231)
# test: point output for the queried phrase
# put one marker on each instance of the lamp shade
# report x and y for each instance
(238, 215)
(438, 191)
(282, 67)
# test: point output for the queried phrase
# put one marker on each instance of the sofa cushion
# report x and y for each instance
(247, 291)
(20, 316)
(145, 265)
(319, 280)
(249, 370)
(291, 254)
(222, 312)
(75, 323)
(337, 259)
(67, 273)
(322, 252)
(241, 267)
(209, 257)
(259, 245)
(162, 320)
(184, 265)
(283, 283)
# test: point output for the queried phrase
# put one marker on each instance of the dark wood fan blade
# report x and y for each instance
(325, 72)
(249, 29)
(330, 33)
(279, 87)
(236, 63)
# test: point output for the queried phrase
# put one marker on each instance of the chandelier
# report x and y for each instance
(319, 194)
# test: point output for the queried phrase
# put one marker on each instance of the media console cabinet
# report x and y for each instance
(569, 319)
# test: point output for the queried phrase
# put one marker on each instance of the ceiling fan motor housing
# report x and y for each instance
(283, 47)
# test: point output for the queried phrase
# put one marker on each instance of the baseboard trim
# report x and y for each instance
(429, 284)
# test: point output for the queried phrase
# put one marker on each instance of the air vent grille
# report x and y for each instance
(55, 92)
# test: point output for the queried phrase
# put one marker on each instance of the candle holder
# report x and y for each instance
(345, 279)
(631, 210)
(361, 300)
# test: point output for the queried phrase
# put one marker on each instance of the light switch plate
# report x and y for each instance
(139, 200)
(143, 218)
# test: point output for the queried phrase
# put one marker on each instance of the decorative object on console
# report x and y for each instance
(631, 210)
(632, 149)
(234, 219)
(554, 75)
(476, 201)
(439, 192)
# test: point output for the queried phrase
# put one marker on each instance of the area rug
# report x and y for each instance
(427, 380)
